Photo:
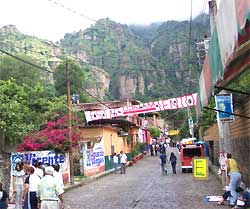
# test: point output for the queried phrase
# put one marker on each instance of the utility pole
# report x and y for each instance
(190, 123)
(69, 124)
(224, 142)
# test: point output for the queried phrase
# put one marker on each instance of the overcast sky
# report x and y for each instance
(45, 19)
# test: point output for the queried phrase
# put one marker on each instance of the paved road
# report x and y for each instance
(143, 187)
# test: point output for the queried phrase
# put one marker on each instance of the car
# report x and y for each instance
(188, 151)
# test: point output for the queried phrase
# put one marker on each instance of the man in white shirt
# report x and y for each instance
(123, 160)
(115, 160)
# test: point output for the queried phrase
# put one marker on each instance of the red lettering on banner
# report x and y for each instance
(174, 103)
(168, 104)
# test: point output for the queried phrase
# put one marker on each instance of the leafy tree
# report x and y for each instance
(77, 78)
(154, 132)
(16, 117)
(21, 72)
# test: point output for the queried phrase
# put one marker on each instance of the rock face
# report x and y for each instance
(102, 86)
(9, 29)
(128, 87)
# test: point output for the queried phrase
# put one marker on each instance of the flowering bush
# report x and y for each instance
(54, 137)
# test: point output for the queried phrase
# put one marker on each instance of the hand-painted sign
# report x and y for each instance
(47, 156)
(94, 161)
(167, 104)
(200, 168)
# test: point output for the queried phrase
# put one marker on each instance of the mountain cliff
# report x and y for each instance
(124, 62)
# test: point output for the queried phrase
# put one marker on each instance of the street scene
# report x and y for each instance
(143, 186)
(125, 104)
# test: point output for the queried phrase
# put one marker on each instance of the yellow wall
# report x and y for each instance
(111, 138)
(109, 135)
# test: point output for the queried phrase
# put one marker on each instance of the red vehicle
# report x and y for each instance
(188, 151)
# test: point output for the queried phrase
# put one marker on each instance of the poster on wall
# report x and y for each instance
(94, 160)
(224, 103)
(45, 157)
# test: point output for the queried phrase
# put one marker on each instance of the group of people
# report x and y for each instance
(36, 186)
(233, 185)
(123, 162)
(157, 147)
(163, 161)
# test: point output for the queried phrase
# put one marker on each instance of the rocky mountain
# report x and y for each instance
(124, 62)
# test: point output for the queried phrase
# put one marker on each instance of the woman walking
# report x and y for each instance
(173, 160)
(18, 185)
(233, 171)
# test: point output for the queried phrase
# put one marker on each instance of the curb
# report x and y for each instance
(214, 170)
(90, 179)
(87, 180)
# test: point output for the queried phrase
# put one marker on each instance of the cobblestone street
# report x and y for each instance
(143, 187)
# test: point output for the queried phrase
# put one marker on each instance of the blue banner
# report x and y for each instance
(224, 103)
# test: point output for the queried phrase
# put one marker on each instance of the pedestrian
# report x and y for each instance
(38, 169)
(233, 171)
(163, 161)
(18, 185)
(151, 150)
(59, 178)
(178, 146)
(4, 198)
(30, 189)
(173, 160)
(225, 195)
(115, 161)
(157, 148)
(49, 191)
(123, 160)
(245, 197)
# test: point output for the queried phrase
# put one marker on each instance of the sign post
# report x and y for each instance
(200, 168)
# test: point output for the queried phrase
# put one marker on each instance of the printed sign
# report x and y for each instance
(173, 132)
(200, 168)
(222, 161)
(168, 104)
(94, 161)
(224, 103)
(47, 156)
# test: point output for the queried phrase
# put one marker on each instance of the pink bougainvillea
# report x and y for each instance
(54, 137)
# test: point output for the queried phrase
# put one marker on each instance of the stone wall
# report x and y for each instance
(240, 141)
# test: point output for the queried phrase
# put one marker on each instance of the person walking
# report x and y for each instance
(49, 191)
(151, 150)
(58, 177)
(233, 171)
(18, 185)
(157, 148)
(173, 160)
(30, 189)
(115, 161)
(123, 160)
(163, 161)
(4, 198)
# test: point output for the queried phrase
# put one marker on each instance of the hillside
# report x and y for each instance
(122, 62)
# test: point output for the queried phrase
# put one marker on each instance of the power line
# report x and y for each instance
(26, 62)
(95, 98)
(72, 11)
(44, 69)
(26, 49)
